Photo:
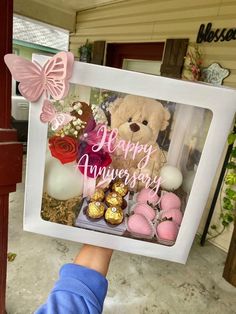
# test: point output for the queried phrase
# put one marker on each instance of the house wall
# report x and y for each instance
(43, 12)
(157, 20)
(27, 52)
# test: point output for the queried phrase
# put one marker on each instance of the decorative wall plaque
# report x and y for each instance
(214, 74)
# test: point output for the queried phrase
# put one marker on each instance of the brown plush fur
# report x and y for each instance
(139, 119)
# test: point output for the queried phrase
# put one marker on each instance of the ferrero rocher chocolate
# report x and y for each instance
(114, 215)
(114, 199)
(95, 210)
(120, 187)
(98, 195)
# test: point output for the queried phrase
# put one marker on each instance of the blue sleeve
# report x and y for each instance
(79, 290)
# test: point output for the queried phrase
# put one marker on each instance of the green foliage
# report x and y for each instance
(231, 138)
(230, 178)
(233, 153)
(231, 194)
(228, 203)
(231, 165)
(214, 227)
(11, 256)
(85, 51)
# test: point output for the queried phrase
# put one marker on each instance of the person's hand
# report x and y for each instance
(94, 257)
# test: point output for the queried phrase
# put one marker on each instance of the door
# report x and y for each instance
(118, 53)
(157, 58)
(143, 66)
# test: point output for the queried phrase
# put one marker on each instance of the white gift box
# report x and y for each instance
(202, 113)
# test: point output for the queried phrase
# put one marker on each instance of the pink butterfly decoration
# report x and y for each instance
(51, 78)
(56, 119)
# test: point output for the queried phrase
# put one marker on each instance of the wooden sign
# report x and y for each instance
(207, 34)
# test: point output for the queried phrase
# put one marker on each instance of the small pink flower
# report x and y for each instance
(95, 136)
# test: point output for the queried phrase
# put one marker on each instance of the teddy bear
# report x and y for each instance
(139, 120)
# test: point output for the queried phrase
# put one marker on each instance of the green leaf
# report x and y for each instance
(231, 138)
(230, 179)
(230, 218)
(226, 200)
(214, 227)
(11, 256)
(231, 194)
(231, 165)
(233, 153)
(225, 223)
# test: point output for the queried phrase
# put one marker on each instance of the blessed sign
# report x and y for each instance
(207, 34)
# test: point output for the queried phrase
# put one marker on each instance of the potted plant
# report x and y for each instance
(85, 52)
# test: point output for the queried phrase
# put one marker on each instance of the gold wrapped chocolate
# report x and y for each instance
(114, 199)
(95, 210)
(120, 187)
(114, 215)
(98, 195)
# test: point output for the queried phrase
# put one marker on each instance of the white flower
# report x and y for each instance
(77, 105)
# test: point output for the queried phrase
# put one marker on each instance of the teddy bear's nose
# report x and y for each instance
(134, 127)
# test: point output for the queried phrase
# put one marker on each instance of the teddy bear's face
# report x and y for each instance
(139, 119)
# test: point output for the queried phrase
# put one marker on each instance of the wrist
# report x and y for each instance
(96, 258)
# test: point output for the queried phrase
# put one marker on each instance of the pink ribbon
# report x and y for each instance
(89, 186)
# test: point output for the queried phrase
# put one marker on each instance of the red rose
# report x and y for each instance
(63, 148)
(100, 159)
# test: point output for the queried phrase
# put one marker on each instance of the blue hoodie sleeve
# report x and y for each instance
(79, 290)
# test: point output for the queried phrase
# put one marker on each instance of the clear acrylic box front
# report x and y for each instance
(169, 137)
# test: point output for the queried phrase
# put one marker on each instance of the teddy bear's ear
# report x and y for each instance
(113, 106)
(166, 117)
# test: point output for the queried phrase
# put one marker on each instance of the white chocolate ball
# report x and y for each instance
(172, 178)
(62, 182)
